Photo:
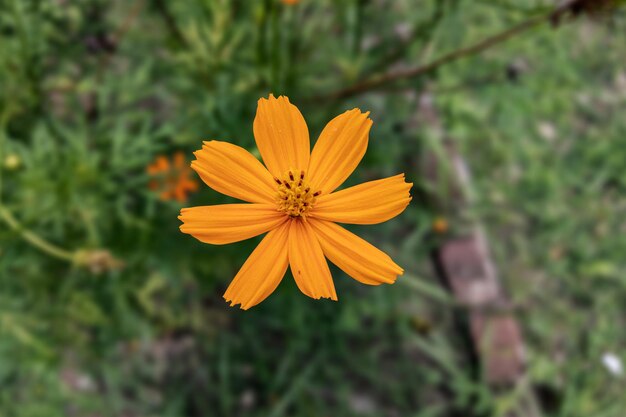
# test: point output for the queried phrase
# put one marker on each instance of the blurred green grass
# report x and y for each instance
(91, 92)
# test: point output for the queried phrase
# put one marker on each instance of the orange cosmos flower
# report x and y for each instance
(294, 199)
(172, 181)
(290, 2)
(440, 225)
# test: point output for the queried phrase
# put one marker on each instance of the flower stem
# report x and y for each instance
(35, 239)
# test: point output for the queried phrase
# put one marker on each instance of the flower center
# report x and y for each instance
(294, 197)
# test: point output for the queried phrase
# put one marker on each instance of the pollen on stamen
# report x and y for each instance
(294, 196)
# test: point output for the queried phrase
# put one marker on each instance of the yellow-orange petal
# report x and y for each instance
(338, 150)
(307, 262)
(281, 135)
(231, 170)
(262, 272)
(355, 256)
(368, 203)
(228, 223)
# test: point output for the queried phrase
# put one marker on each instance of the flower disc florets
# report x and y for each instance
(295, 197)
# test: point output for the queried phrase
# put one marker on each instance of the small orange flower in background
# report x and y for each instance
(172, 181)
(291, 2)
(440, 225)
(294, 199)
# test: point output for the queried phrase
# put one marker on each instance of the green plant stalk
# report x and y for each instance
(35, 239)
(15, 225)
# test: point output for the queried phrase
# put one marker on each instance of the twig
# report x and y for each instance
(381, 80)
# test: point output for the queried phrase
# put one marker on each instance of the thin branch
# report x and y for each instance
(379, 81)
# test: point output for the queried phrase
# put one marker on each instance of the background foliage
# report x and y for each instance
(106, 309)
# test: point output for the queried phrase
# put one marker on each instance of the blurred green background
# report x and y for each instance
(106, 309)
